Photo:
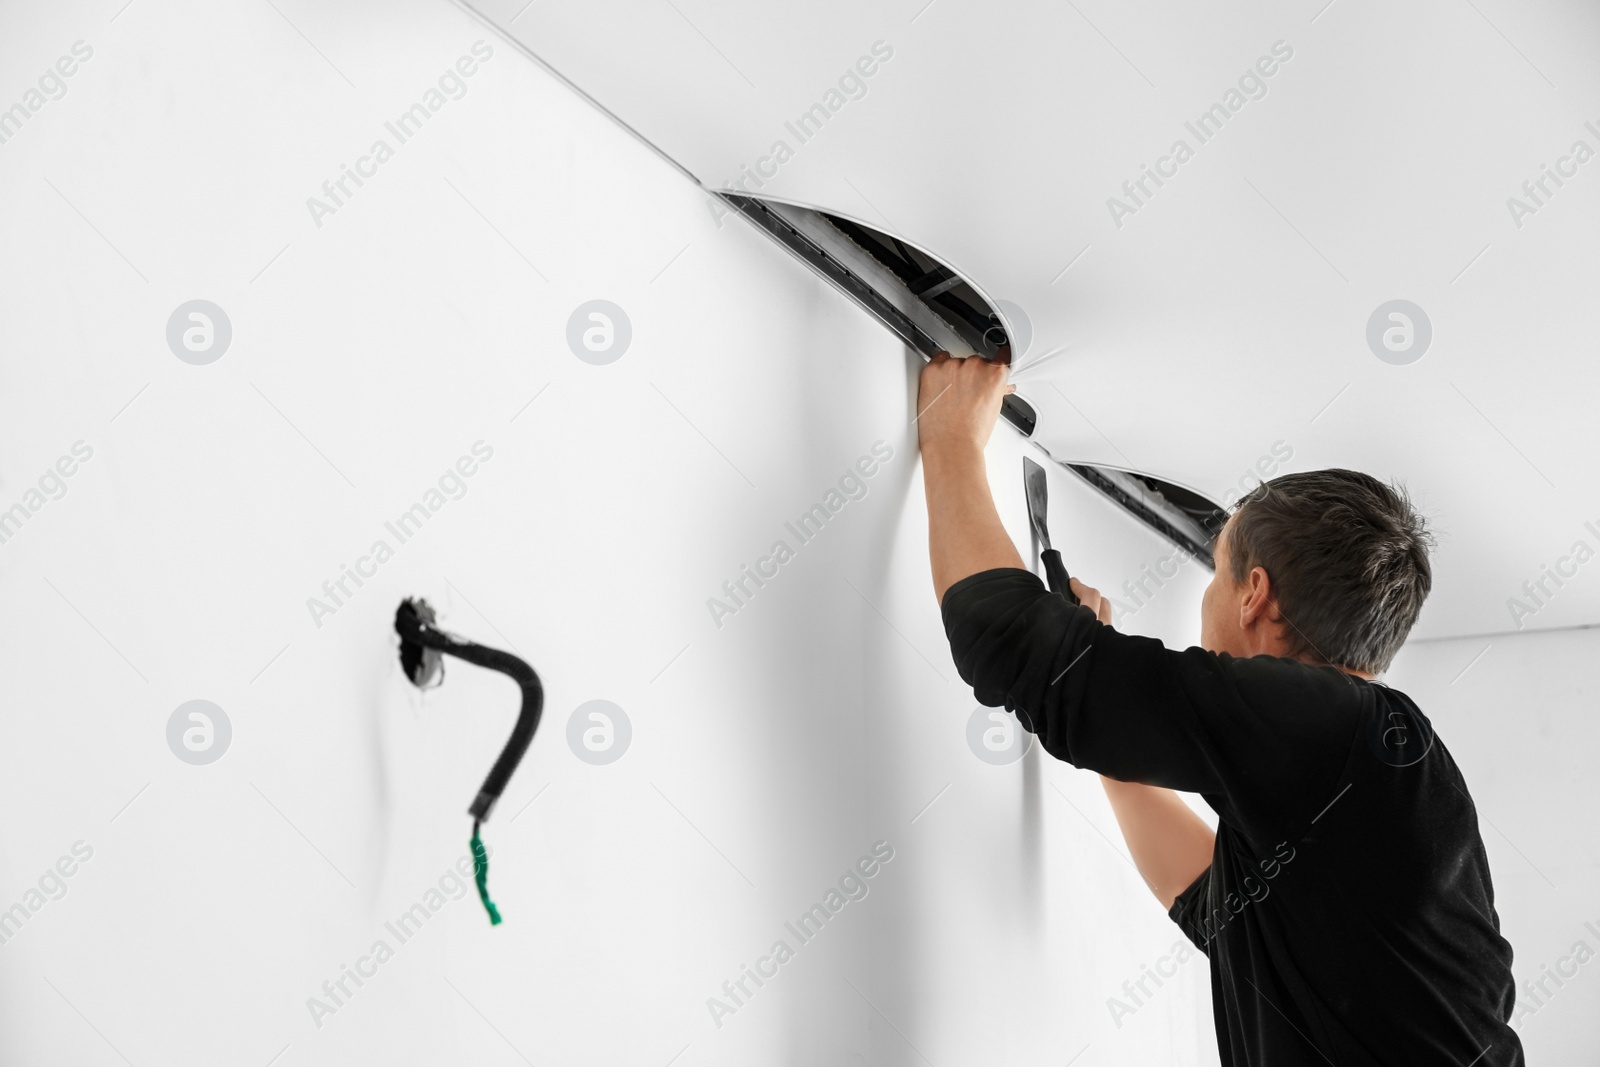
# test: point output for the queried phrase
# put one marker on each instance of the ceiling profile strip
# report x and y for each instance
(932, 309)
(1151, 507)
(820, 242)
(855, 275)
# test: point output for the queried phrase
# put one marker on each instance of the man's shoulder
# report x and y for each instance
(1280, 679)
(1287, 705)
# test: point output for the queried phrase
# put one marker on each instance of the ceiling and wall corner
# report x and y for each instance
(1205, 325)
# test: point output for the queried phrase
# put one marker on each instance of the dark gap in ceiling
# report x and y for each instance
(932, 308)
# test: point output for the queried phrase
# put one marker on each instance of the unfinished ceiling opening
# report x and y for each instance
(932, 308)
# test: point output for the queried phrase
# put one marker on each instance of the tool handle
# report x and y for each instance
(1056, 572)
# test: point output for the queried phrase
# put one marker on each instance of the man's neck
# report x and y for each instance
(1363, 675)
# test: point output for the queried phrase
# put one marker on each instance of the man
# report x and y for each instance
(1344, 902)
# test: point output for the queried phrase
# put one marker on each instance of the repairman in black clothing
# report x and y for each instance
(1344, 902)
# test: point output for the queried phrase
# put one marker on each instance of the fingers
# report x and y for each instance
(970, 364)
(1090, 598)
(959, 399)
(968, 374)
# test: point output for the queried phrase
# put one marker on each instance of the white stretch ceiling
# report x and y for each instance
(1361, 153)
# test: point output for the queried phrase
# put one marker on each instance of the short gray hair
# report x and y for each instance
(1348, 559)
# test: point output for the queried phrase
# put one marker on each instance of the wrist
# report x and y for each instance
(952, 451)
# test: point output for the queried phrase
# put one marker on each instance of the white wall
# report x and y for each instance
(1026, 916)
(368, 354)
(1518, 713)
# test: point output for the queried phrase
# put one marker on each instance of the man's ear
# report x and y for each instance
(1258, 604)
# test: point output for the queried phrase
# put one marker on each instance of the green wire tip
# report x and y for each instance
(480, 874)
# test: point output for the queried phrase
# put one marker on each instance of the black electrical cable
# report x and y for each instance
(421, 646)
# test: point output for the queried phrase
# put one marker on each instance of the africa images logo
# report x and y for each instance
(1402, 735)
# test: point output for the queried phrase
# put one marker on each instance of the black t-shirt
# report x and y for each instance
(1347, 914)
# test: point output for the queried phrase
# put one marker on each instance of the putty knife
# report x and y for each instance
(1033, 479)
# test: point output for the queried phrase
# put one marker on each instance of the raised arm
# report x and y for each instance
(957, 405)
(1263, 738)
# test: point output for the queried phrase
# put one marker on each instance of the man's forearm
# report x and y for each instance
(1171, 845)
(965, 534)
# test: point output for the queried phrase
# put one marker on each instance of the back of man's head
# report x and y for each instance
(1348, 559)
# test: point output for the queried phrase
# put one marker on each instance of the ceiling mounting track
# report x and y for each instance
(1151, 507)
(824, 244)
(931, 308)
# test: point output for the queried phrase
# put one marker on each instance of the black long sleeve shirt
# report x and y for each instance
(1348, 914)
